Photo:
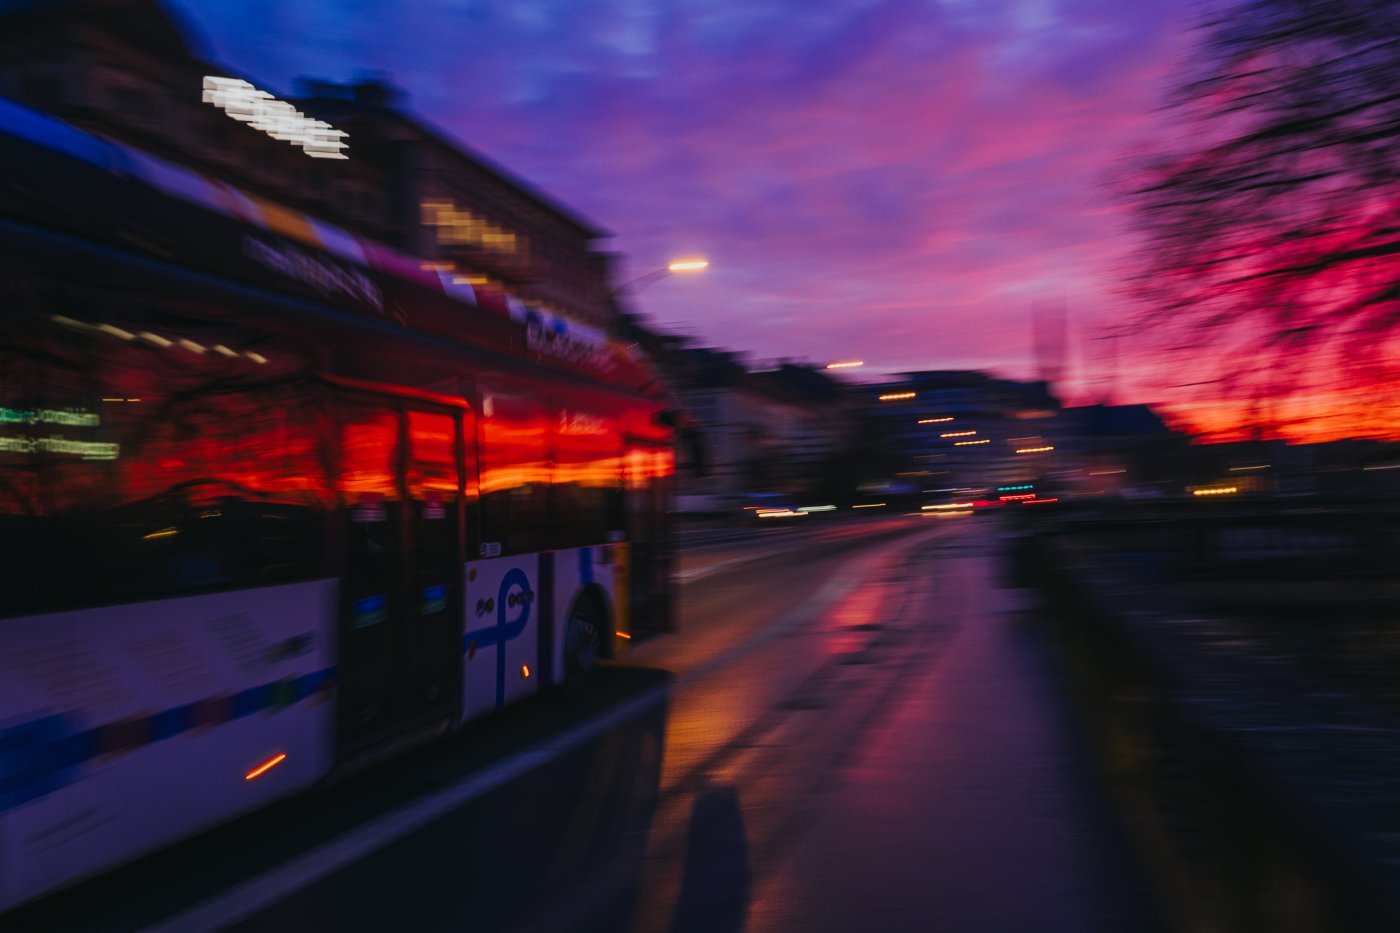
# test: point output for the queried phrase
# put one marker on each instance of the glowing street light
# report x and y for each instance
(678, 265)
(848, 364)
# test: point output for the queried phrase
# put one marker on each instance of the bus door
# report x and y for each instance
(649, 469)
(400, 479)
(367, 483)
(433, 572)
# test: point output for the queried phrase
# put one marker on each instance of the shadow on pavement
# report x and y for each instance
(715, 888)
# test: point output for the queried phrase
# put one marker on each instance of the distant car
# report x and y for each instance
(771, 506)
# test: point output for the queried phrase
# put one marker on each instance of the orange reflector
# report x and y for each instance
(623, 635)
(265, 767)
(525, 671)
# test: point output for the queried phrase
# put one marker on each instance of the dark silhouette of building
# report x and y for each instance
(964, 433)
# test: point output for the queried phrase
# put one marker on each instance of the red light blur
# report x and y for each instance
(266, 766)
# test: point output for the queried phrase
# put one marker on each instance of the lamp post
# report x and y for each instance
(629, 327)
(628, 322)
(642, 281)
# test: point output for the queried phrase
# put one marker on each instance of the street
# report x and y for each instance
(865, 732)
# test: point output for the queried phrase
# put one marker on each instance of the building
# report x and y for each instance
(958, 434)
(1122, 450)
(815, 428)
(474, 219)
(130, 71)
(784, 432)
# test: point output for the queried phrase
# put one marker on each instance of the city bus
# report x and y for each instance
(276, 501)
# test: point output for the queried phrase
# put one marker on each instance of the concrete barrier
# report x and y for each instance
(1259, 798)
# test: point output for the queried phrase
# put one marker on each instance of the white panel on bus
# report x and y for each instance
(500, 648)
(125, 728)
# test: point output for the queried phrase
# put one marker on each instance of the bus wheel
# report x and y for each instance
(583, 644)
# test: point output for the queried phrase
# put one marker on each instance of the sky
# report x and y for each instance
(897, 181)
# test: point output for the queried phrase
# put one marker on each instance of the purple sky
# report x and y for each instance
(899, 182)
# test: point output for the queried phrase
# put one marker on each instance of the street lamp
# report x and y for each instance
(629, 327)
(628, 321)
(679, 265)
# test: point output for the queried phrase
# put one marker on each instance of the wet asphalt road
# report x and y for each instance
(866, 734)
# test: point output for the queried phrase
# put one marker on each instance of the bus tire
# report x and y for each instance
(583, 644)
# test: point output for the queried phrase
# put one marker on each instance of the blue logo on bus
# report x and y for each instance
(513, 597)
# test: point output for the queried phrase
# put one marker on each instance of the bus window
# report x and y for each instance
(587, 477)
(514, 474)
(141, 469)
(367, 480)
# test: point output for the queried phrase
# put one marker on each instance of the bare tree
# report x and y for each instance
(1271, 221)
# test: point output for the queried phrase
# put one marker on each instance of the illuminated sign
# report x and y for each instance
(277, 118)
(573, 343)
(326, 277)
(73, 417)
(88, 450)
(572, 422)
(55, 444)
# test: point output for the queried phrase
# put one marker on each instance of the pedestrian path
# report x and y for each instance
(970, 808)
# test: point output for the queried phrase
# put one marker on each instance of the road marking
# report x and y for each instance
(686, 576)
(263, 891)
(697, 573)
(818, 603)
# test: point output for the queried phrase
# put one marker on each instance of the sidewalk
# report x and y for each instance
(971, 808)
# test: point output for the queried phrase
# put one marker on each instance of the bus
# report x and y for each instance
(276, 501)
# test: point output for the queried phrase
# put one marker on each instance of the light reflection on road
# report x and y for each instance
(877, 761)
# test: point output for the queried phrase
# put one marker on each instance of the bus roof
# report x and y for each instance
(218, 227)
